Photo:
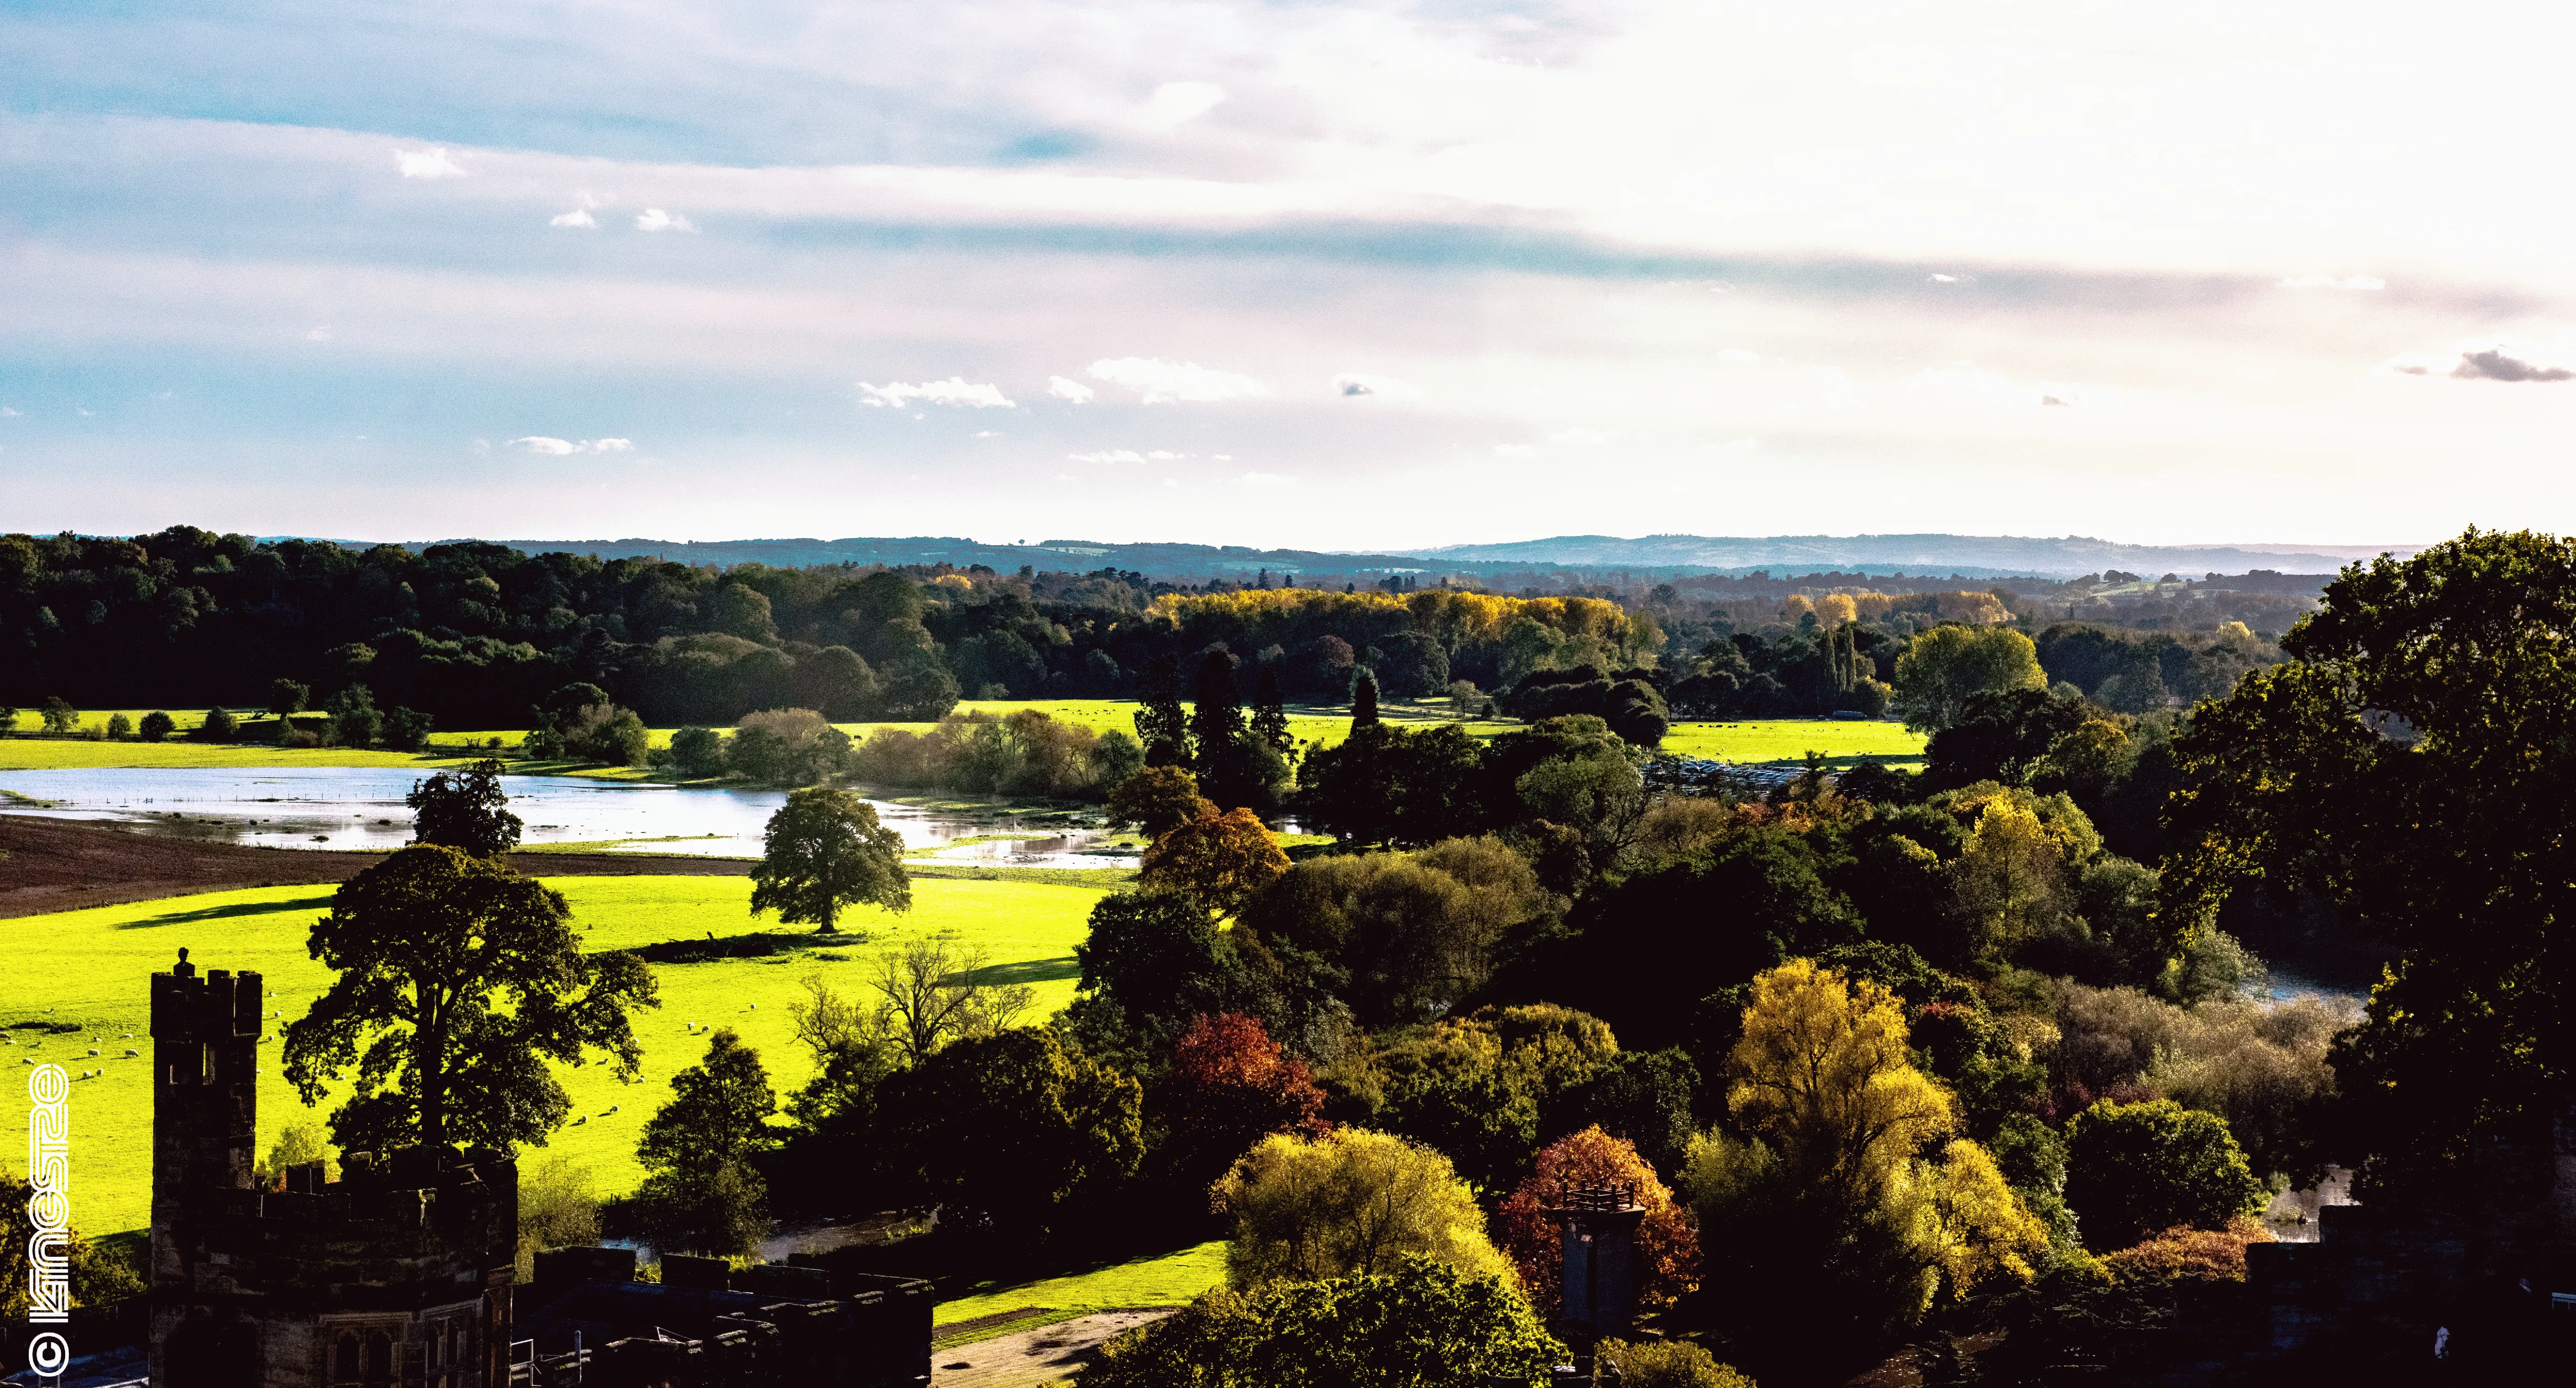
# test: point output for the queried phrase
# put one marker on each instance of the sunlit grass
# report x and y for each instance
(93, 967)
(1169, 1279)
(1790, 739)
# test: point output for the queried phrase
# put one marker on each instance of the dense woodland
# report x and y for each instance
(482, 636)
(1892, 1057)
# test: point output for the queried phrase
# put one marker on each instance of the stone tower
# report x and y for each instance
(397, 1275)
(1597, 1224)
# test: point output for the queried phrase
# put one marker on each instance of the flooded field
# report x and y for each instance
(362, 808)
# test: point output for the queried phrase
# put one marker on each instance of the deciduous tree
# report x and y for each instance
(1345, 1203)
(700, 1190)
(1218, 860)
(1228, 1085)
(1016, 1124)
(1667, 1245)
(1157, 800)
(2135, 1169)
(459, 980)
(823, 851)
(1943, 667)
(466, 810)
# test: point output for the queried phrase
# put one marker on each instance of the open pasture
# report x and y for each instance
(1751, 740)
(92, 967)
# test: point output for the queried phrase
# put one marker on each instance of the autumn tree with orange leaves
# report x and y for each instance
(1228, 1086)
(1667, 1241)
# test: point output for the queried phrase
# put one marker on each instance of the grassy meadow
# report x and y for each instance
(1790, 739)
(1744, 740)
(1166, 1279)
(91, 967)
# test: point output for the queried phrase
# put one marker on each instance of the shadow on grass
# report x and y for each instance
(1026, 971)
(320, 901)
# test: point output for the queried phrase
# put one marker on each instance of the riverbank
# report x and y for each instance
(66, 865)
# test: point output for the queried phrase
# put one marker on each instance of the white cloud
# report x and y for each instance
(1737, 356)
(2488, 359)
(427, 163)
(1108, 455)
(1177, 103)
(1160, 382)
(578, 217)
(1353, 383)
(1161, 455)
(1515, 450)
(317, 334)
(2362, 283)
(7, 413)
(1075, 391)
(1942, 279)
(2000, 390)
(956, 390)
(1268, 479)
(561, 448)
(986, 434)
(1581, 438)
(655, 219)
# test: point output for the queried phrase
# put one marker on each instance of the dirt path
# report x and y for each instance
(1028, 1358)
(66, 865)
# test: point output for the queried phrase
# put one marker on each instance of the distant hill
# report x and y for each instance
(1579, 558)
(1973, 555)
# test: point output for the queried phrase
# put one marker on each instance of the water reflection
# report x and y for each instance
(354, 807)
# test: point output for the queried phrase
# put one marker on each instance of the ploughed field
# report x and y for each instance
(90, 968)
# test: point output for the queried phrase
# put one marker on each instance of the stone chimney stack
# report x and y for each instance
(1598, 1224)
(205, 1066)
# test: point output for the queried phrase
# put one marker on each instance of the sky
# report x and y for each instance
(1331, 276)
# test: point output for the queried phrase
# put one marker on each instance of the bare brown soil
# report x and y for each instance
(59, 865)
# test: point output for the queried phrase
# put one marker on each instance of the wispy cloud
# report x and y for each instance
(2353, 283)
(2000, 390)
(1159, 382)
(1268, 479)
(1075, 391)
(578, 217)
(2487, 360)
(955, 391)
(1177, 103)
(1582, 438)
(1108, 455)
(561, 448)
(317, 333)
(1353, 383)
(655, 219)
(427, 163)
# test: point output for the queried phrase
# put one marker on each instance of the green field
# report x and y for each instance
(92, 967)
(1790, 739)
(1749, 740)
(1168, 1279)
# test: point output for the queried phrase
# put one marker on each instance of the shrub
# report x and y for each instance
(1417, 1325)
(2132, 1169)
(1347, 1203)
(2183, 1253)
(220, 726)
(119, 728)
(61, 719)
(557, 1209)
(698, 752)
(1669, 1364)
(406, 730)
(157, 726)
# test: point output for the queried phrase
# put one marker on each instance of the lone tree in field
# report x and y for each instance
(464, 810)
(824, 850)
(458, 980)
(701, 1191)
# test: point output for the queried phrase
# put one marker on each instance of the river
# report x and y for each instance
(350, 807)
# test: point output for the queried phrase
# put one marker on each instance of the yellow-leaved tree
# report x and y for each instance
(1818, 1201)
(1349, 1202)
